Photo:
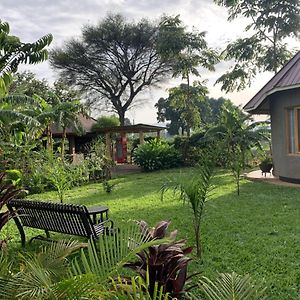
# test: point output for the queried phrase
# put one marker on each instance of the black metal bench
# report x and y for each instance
(56, 217)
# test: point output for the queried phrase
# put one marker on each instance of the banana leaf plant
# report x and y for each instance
(7, 192)
(163, 266)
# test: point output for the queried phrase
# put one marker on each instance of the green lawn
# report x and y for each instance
(257, 232)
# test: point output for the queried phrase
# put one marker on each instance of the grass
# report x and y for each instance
(255, 233)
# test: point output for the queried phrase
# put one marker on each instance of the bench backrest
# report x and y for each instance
(57, 217)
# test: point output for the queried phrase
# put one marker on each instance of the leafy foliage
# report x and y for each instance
(163, 265)
(188, 50)
(236, 134)
(13, 52)
(266, 47)
(106, 121)
(7, 192)
(232, 286)
(156, 155)
(116, 60)
(209, 110)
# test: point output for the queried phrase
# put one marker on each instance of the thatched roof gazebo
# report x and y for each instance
(141, 129)
(77, 140)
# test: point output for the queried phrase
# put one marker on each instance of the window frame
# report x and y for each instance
(296, 129)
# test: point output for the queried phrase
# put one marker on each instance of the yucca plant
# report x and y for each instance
(194, 188)
(163, 266)
(231, 286)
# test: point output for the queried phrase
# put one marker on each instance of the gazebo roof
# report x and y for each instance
(287, 78)
(131, 128)
(86, 123)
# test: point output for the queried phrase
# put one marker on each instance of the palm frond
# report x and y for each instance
(231, 286)
(135, 288)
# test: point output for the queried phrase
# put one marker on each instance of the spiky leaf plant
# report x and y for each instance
(37, 274)
(137, 289)
(193, 188)
(52, 274)
(231, 286)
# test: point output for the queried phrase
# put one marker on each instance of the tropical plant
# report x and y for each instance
(194, 188)
(163, 265)
(231, 286)
(7, 192)
(209, 111)
(68, 116)
(135, 288)
(14, 52)
(108, 186)
(237, 134)
(36, 275)
(58, 174)
(156, 155)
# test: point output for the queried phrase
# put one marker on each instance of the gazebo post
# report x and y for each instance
(71, 146)
(141, 135)
(108, 145)
(158, 134)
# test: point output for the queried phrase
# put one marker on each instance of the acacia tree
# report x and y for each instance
(265, 48)
(115, 59)
(13, 52)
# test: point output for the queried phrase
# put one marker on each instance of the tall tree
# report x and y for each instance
(187, 98)
(209, 110)
(266, 46)
(116, 59)
(14, 52)
(26, 83)
(188, 50)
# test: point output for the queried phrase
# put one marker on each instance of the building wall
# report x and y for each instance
(287, 166)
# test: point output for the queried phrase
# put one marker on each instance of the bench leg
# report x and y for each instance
(47, 234)
(21, 230)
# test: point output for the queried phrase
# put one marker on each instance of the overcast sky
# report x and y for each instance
(31, 19)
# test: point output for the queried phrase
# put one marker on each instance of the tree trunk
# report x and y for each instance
(49, 139)
(198, 241)
(188, 131)
(64, 135)
(121, 114)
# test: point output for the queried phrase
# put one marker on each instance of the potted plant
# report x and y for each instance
(266, 165)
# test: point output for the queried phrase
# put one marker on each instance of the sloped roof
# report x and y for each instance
(86, 123)
(287, 78)
(131, 128)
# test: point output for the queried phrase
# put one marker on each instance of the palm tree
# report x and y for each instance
(68, 117)
(237, 134)
(194, 188)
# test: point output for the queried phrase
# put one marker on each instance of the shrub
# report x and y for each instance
(156, 155)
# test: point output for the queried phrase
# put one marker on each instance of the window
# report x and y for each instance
(293, 129)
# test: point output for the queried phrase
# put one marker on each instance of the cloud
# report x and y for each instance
(32, 19)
